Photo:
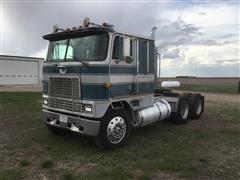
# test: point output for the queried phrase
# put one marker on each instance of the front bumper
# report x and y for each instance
(76, 124)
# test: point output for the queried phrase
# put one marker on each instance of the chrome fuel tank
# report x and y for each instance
(159, 111)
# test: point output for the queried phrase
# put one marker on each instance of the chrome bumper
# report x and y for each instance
(76, 124)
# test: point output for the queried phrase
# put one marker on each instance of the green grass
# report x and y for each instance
(199, 149)
(24, 163)
(47, 163)
(210, 88)
(68, 175)
(11, 174)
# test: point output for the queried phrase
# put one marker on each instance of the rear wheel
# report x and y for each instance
(114, 130)
(182, 114)
(196, 106)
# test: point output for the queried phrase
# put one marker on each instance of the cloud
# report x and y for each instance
(192, 36)
(202, 13)
(199, 36)
(175, 33)
(40, 54)
(172, 54)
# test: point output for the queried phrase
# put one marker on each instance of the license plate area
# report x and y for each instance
(63, 119)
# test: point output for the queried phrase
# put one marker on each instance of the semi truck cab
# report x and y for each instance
(103, 83)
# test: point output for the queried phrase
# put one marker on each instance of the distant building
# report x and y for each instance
(18, 70)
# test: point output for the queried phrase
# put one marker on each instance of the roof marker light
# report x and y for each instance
(107, 25)
(55, 28)
(86, 22)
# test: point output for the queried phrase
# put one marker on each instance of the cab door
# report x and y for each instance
(145, 67)
(122, 66)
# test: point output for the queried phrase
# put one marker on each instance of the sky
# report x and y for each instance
(195, 38)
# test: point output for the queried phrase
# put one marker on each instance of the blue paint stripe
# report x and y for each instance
(94, 92)
(92, 70)
(97, 91)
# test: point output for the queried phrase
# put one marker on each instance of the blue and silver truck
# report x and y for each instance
(103, 83)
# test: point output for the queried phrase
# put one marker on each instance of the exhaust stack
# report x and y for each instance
(153, 32)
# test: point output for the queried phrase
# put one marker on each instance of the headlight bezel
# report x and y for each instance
(87, 108)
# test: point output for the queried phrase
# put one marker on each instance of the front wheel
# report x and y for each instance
(114, 130)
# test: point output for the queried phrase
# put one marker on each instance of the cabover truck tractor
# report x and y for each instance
(103, 83)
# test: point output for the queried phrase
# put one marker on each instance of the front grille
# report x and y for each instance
(64, 87)
(64, 93)
(72, 106)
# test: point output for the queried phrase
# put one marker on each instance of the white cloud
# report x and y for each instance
(199, 36)
(40, 54)
(203, 55)
(205, 15)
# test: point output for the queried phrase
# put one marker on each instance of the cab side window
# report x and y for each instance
(118, 48)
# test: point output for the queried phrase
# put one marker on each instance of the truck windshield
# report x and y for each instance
(85, 48)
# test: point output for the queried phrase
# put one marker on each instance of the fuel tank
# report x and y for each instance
(159, 111)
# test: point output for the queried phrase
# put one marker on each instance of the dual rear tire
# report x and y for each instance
(197, 106)
(190, 106)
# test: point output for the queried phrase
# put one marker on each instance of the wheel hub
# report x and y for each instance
(116, 130)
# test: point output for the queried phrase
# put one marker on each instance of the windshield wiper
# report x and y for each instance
(79, 60)
(65, 56)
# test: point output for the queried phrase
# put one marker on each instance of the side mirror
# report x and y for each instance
(127, 50)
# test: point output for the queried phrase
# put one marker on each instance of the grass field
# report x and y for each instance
(210, 88)
(208, 148)
(211, 84)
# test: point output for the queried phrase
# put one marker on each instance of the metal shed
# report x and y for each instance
(19, 70)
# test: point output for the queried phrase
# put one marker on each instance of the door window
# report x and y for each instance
(118, 48)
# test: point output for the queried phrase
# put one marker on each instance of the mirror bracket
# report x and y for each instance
(128, 59)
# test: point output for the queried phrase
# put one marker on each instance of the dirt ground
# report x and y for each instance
(21, 88)
(222, 97)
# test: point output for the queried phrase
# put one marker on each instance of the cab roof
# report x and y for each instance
(72, 33)
(75, 33)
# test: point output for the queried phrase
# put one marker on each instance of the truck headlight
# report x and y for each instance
(88, 108)
(45, 102)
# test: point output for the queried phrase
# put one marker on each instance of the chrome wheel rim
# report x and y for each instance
(198, 106)
(116, 130)
(184, 110)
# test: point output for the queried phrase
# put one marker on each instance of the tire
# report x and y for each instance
(196, 106)
(55, 130)
(115, 130)
(183, 110)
